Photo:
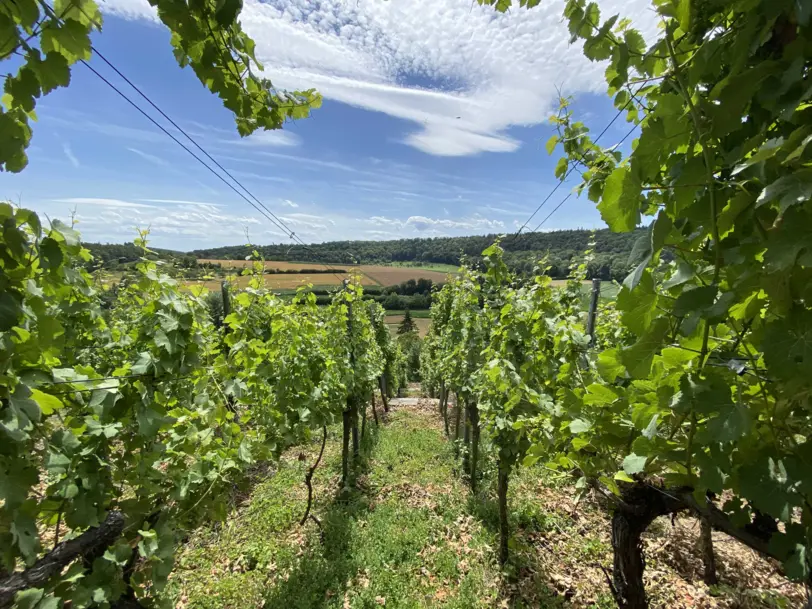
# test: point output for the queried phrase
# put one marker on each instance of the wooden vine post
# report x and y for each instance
(593, 309)
(346, 415)
(226, 300)
(382, 386)
(374, 410)
(473, 417)
(444, 406)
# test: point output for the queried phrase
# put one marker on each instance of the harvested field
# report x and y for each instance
(274, 264)
(286, 282)
(371, 274)
(393, 275)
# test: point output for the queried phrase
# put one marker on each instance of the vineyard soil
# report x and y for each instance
(411, 536)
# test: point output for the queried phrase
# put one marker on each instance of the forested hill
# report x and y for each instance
(611, 260)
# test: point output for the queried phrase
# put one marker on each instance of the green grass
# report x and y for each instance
(388, 540)
(413, 536)
(416, 313)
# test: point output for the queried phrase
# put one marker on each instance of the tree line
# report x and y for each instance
(559, 249)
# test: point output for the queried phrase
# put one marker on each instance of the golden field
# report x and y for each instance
(371, 274)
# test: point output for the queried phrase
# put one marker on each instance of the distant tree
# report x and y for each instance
(407, 325)
(393, 302)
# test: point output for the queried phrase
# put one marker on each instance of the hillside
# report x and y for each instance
(611, 251)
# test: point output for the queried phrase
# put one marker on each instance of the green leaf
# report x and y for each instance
(598, 394)
(47, 403)
(227, 11)
(51, 253)
(561, 168)
(620, 204)
(52, 72)
(788, 190)
(634, 464)
(695, 300)
(552, 143)
(580, 426)
(684, 14)
(638, 357)
(28, 599)
(787, 345)
(768, 150)
(85, 12)
(710, 475)
(610, 365)
(23, 89)
(68, 234)
(797, 565)
(764, 483)
(579, 443)
(650, 432)
(683, 273)
(161, 340)
(691, 178)
(660, 229)
(10, 311)
(731, 424)
(623, 477)
(674, 357)
(25, 534)
(71, 40)
(639, 306)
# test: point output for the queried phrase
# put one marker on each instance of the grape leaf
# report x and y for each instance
(620, 204)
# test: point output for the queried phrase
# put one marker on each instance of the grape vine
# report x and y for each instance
(698, 399)
(123, 429)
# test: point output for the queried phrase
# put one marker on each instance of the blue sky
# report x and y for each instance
(385, 157)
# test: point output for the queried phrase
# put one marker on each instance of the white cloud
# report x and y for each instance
(149, 157)
(424, 223)
(276, 138)
(185, 203)
(289, 203)
(250, 175)
(102, 202)
(173, 223)
(503, 69)
(69, 154)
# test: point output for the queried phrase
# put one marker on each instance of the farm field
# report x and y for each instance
(371, 274)
(283, 282)
(393, 275)
(273, 264)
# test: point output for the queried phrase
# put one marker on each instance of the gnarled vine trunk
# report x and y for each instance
(374, 410)
(382, 386)
(444, 409)
(637, 509)
(708, 557)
